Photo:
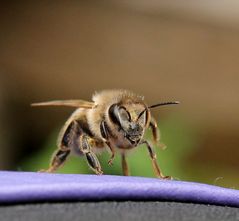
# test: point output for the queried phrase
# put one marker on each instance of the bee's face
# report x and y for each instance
(130, 119)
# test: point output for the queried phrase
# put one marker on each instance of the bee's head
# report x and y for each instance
(131, 120)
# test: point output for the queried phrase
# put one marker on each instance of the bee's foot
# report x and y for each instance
(42, 171)
(110, 162)
(49, 170)
(166, 177)
(99, 172)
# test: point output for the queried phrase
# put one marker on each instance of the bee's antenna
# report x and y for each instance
(157, 105)
(165, 103)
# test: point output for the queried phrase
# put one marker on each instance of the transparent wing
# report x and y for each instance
(68, 103)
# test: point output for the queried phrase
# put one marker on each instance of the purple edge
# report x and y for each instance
(17, 187)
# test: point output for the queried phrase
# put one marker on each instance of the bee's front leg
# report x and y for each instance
(156, 135)
(86, 143)
(110, 161)
(105, 134)
(154, 161)
(154, 127)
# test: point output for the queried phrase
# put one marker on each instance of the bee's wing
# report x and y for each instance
(69, 103)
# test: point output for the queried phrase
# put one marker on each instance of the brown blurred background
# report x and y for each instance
(164, 50)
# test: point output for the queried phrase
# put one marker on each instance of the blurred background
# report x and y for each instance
(164, 50)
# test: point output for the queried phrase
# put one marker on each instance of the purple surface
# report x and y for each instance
(16, 187)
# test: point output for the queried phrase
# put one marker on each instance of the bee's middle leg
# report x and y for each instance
(125, 166)
(85, 146)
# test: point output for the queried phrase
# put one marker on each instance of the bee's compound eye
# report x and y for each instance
(124, 114)
(119, 114)
(114, 113)
(142, 118)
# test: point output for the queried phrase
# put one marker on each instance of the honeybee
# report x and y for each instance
(116, 119)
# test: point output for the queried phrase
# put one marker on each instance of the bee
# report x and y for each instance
(116, 120)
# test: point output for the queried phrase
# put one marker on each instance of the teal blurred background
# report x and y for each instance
(164, 50)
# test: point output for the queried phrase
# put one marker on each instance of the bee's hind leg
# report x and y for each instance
(58, 159)
(85, 146)
(67, 141)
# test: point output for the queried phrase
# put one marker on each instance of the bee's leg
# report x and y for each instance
(110, 161)
(105, 134)
(124, 165)
(65, 146)
(85, 146)
(155, 131)
(154, 161)
(94, 163)
(154, 127)
(59, 157)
